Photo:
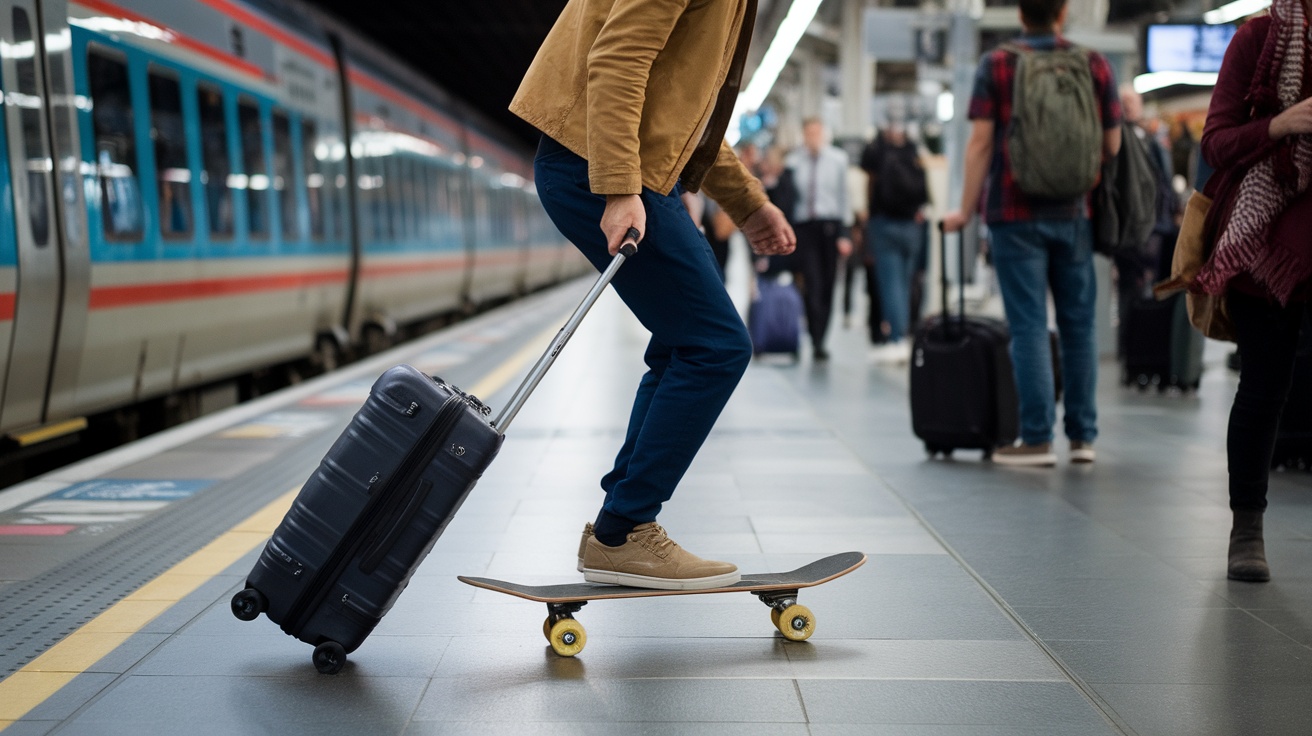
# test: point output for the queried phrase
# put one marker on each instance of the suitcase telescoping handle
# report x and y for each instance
(628, 248)
(943, 277)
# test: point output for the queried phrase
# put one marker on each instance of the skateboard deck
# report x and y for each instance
(778, 590)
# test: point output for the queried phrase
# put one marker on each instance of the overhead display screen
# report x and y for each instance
(1187, 48)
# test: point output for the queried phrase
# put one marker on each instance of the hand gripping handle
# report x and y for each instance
(629, 246)
(628, 249)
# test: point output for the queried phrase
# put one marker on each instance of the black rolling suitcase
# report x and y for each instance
(379, 500)
(1162, 348)
(963, 389)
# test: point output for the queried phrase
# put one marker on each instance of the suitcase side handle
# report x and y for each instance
(628, 249)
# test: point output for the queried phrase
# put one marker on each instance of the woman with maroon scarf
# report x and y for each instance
(1259, 139)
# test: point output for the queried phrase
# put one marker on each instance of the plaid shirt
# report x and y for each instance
(991, 100)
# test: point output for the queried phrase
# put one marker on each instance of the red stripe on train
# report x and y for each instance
(134, 295)
(270, 29)
(179, 38)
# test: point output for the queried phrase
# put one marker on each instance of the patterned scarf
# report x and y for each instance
(1267, 188)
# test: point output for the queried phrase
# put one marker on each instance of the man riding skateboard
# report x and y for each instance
(633, 98)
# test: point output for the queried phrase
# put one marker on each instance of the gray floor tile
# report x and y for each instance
(924, 660)
(301, 702)
(909, 729)
(507, 700)
(663, 728)
(1272, 661)
(1211, 709)
(1011, 704)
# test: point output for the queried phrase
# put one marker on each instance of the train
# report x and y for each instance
(194, 191)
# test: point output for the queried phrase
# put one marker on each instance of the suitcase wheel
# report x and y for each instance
(934, 450)
(329, 658)
(249, 604)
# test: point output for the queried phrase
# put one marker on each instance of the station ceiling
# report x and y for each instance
(478, 50)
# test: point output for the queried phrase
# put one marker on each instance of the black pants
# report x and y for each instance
(1268, 339)
(816, 259)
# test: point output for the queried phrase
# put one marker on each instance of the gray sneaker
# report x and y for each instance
(650, 559)
(1026, 456)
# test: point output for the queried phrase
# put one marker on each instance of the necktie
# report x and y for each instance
(815, 176)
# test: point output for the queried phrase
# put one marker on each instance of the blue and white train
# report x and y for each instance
(194, 190)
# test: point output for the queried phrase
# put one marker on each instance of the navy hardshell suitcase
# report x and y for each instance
(370, 513)
(380, 499)
(963, 388)
(774, 320)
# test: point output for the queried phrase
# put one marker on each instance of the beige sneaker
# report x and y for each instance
(1023, 455)
(650, 559)
(1082, 452)
(583, 543)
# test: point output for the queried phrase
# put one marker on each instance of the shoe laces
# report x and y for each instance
(656, 540)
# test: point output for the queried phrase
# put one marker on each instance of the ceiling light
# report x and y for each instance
(799, 17)
(1235, 10)
(1157, 80)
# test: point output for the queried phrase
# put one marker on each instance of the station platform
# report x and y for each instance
(1018, 602)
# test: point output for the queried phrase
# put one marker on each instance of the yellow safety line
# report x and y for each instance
(44, 676)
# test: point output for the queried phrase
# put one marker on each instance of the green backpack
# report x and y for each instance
(1055, 138)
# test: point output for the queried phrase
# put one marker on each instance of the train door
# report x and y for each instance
(36, 215)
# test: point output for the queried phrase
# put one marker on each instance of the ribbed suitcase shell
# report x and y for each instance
(373, 509)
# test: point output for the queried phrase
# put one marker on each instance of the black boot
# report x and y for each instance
(1247, 551)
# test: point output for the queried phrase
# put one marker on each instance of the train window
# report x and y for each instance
(39, 164)
(413, 208)
(116, 147)
(216, 174)
(341, 197)
(252, 160)
(392, 208)
(172, 172)
(314, 180)
(424, 183)
(284, 175)
(371, 196)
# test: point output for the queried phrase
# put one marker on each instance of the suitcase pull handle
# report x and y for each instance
(628, 249)
(629, 246)
(943, 278)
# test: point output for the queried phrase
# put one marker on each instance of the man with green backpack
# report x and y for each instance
(1044, 114)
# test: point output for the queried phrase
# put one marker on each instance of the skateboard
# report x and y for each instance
(778, 590)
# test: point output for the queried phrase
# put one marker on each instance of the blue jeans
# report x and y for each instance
(896, 244)
(699, 345)
(1030, 257)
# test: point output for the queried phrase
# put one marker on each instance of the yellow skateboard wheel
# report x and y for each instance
(796, 622)
(546, 627)
(774, 617)
(567, 637)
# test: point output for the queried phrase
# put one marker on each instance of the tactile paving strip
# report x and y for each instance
(38, 613)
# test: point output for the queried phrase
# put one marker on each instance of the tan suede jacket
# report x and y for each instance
(644, 89)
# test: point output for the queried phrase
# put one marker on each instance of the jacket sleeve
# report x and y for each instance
(1232, 138)
(619, 64)
(733, 187)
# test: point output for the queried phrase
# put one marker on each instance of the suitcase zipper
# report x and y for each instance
(377, 510)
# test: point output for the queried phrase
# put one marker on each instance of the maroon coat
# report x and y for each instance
(1236, 137)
